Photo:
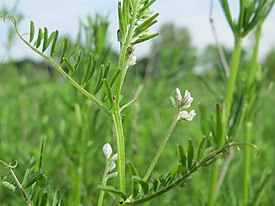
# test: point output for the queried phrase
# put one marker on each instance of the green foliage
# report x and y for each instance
(251, 14)
(64, 143)
(269, 64)
(75, 129)
(35, 187)
(173, 53)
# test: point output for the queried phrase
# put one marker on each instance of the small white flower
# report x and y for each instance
(184, 115)
(107, 150)
(111, 166)
(114, 157)
(132, 60)
(178, 95)
(187, 100)
(112, 175)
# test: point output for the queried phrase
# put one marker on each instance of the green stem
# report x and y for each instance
(20, 187)
(226, 115)
(23, 193)
(214, 179)
(253, 72)
(123, 51)
(246, 171)
(194, 168)
(232, 79)
(163, 143)
(104, 182)
(120, 147)
(241, 22)
(64, 74)
(116, 114)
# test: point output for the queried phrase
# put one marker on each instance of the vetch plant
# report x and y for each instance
(35, 187)
(103, 87)
(251, 16)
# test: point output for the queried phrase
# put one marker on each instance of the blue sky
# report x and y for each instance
(64, 15)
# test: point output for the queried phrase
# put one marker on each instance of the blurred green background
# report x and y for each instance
(35, 101)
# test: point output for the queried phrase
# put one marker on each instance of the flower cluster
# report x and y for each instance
(184, 103)
(107, 150)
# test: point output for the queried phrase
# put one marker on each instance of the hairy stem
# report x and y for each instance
(194, 168)
(160, 149)
(123, 51)
(232, 79)
(20, 187)
(104, 182)
(63, 73)
(116, 112)
(226, 115)
(254, 70)
(120, 147)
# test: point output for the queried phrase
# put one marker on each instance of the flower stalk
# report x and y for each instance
(180, 115)
(160, 149)
(116, 112)
(109, 167)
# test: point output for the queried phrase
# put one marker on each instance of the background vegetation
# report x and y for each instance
(35, 102)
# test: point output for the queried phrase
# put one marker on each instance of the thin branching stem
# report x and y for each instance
(60, 70)
(116, 112)
(120, 147)
(232, 78)
(193, 169)
(231, 84)
(160, 149)
(103, 183)
(20, 187)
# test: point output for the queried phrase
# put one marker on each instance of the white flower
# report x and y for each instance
(132, 60)
(187, 100)
(184, 115)
(111, 166)
(178, 95)
(114, 157)
(112, 175)
(107, 150)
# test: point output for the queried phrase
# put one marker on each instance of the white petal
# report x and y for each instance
(112, 175)
(191, 115)
(111, 166)
(187, 100)
(107, 150)
(114, 157)
(132, 60)
(183, 114)
(178, 95)
(187, 116)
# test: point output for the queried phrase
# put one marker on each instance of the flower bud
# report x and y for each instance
(132, 60)
(178, 95)
(114, 157)
(107, 150)
(112, 175)
(111, 166)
